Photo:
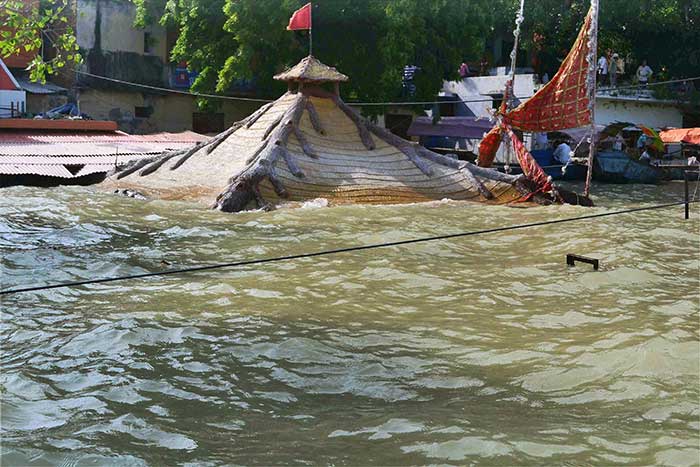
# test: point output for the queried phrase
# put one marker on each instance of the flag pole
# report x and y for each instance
(592, 65)
(311, 28)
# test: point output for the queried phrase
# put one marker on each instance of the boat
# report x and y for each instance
(619, 167)
(567, 101)
(310, 144)
(574, 171)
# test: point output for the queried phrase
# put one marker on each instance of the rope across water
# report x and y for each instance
(333, 251)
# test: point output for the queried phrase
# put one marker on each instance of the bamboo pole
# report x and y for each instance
(592, 64)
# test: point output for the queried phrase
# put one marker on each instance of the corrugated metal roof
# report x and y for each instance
(87, 149)
(47, 170)
(45, 153)
(38, 88)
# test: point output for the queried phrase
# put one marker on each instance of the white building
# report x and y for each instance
(13, 99)
(483, 94)
(638, 107)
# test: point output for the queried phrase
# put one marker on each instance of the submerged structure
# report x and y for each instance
(310, 144)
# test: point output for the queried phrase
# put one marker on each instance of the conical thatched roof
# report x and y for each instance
(310, 144)
(310, 69)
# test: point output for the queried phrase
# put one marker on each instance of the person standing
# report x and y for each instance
(644, 73)
(612, 70)
(484, 66)
(464, 70)
(620, 68)
(602, 70)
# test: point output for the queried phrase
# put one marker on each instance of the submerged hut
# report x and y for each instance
(310, 144)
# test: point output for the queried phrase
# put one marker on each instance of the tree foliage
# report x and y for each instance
(664, 32)
(30, 27)
(369, 40)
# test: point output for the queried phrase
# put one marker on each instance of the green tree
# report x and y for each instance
(369, 40)
(41, 28)
(665, 32)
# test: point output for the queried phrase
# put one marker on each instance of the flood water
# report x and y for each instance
(483, 350)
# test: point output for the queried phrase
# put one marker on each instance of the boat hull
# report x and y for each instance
(618, 167)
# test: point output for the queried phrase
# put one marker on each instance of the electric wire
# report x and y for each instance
(332, 252)
(252, 99)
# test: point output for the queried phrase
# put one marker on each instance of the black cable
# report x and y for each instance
(332, 252)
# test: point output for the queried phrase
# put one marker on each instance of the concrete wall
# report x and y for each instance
(39, 103)
(654, 114)
(480, 87)
(117, 28)
(172, 112)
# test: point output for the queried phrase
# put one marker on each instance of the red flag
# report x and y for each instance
(301, 19)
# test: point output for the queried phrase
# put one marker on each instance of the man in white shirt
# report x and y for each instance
(644, 73)
(602, 70)
(562, 153)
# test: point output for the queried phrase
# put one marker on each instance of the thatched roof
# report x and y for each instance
(309, 144)
(310, 69)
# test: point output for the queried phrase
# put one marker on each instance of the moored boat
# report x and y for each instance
(619, 167)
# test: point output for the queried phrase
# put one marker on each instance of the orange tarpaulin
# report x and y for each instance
(681, 135)
(564, 101)
(489, 146)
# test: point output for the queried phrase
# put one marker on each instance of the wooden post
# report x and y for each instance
(687, 198)
(12, 110)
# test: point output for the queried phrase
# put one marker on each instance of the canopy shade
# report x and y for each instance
(681, 135)
(451, 127)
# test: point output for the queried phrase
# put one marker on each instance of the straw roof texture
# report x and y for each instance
(310, 144)
(310, 69)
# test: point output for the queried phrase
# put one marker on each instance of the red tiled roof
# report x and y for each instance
(48, 153)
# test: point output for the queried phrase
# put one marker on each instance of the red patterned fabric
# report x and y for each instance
(530, 167)
(489, 146)
(563, 102)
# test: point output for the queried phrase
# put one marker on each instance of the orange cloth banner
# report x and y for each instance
(564, 101)
(489, 146)
(530, 167)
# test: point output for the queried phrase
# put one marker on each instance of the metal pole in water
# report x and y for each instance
(687, 198)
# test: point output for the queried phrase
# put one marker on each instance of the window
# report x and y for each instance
(143, 112)
(497, 100)
(398, 124)
(147, 43)
(204, 122)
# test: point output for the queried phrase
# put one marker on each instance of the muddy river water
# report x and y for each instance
(484, 350)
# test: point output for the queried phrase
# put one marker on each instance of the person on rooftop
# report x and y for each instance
(644, 73)
(602, 70)
(612, 70)
(464, 70)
